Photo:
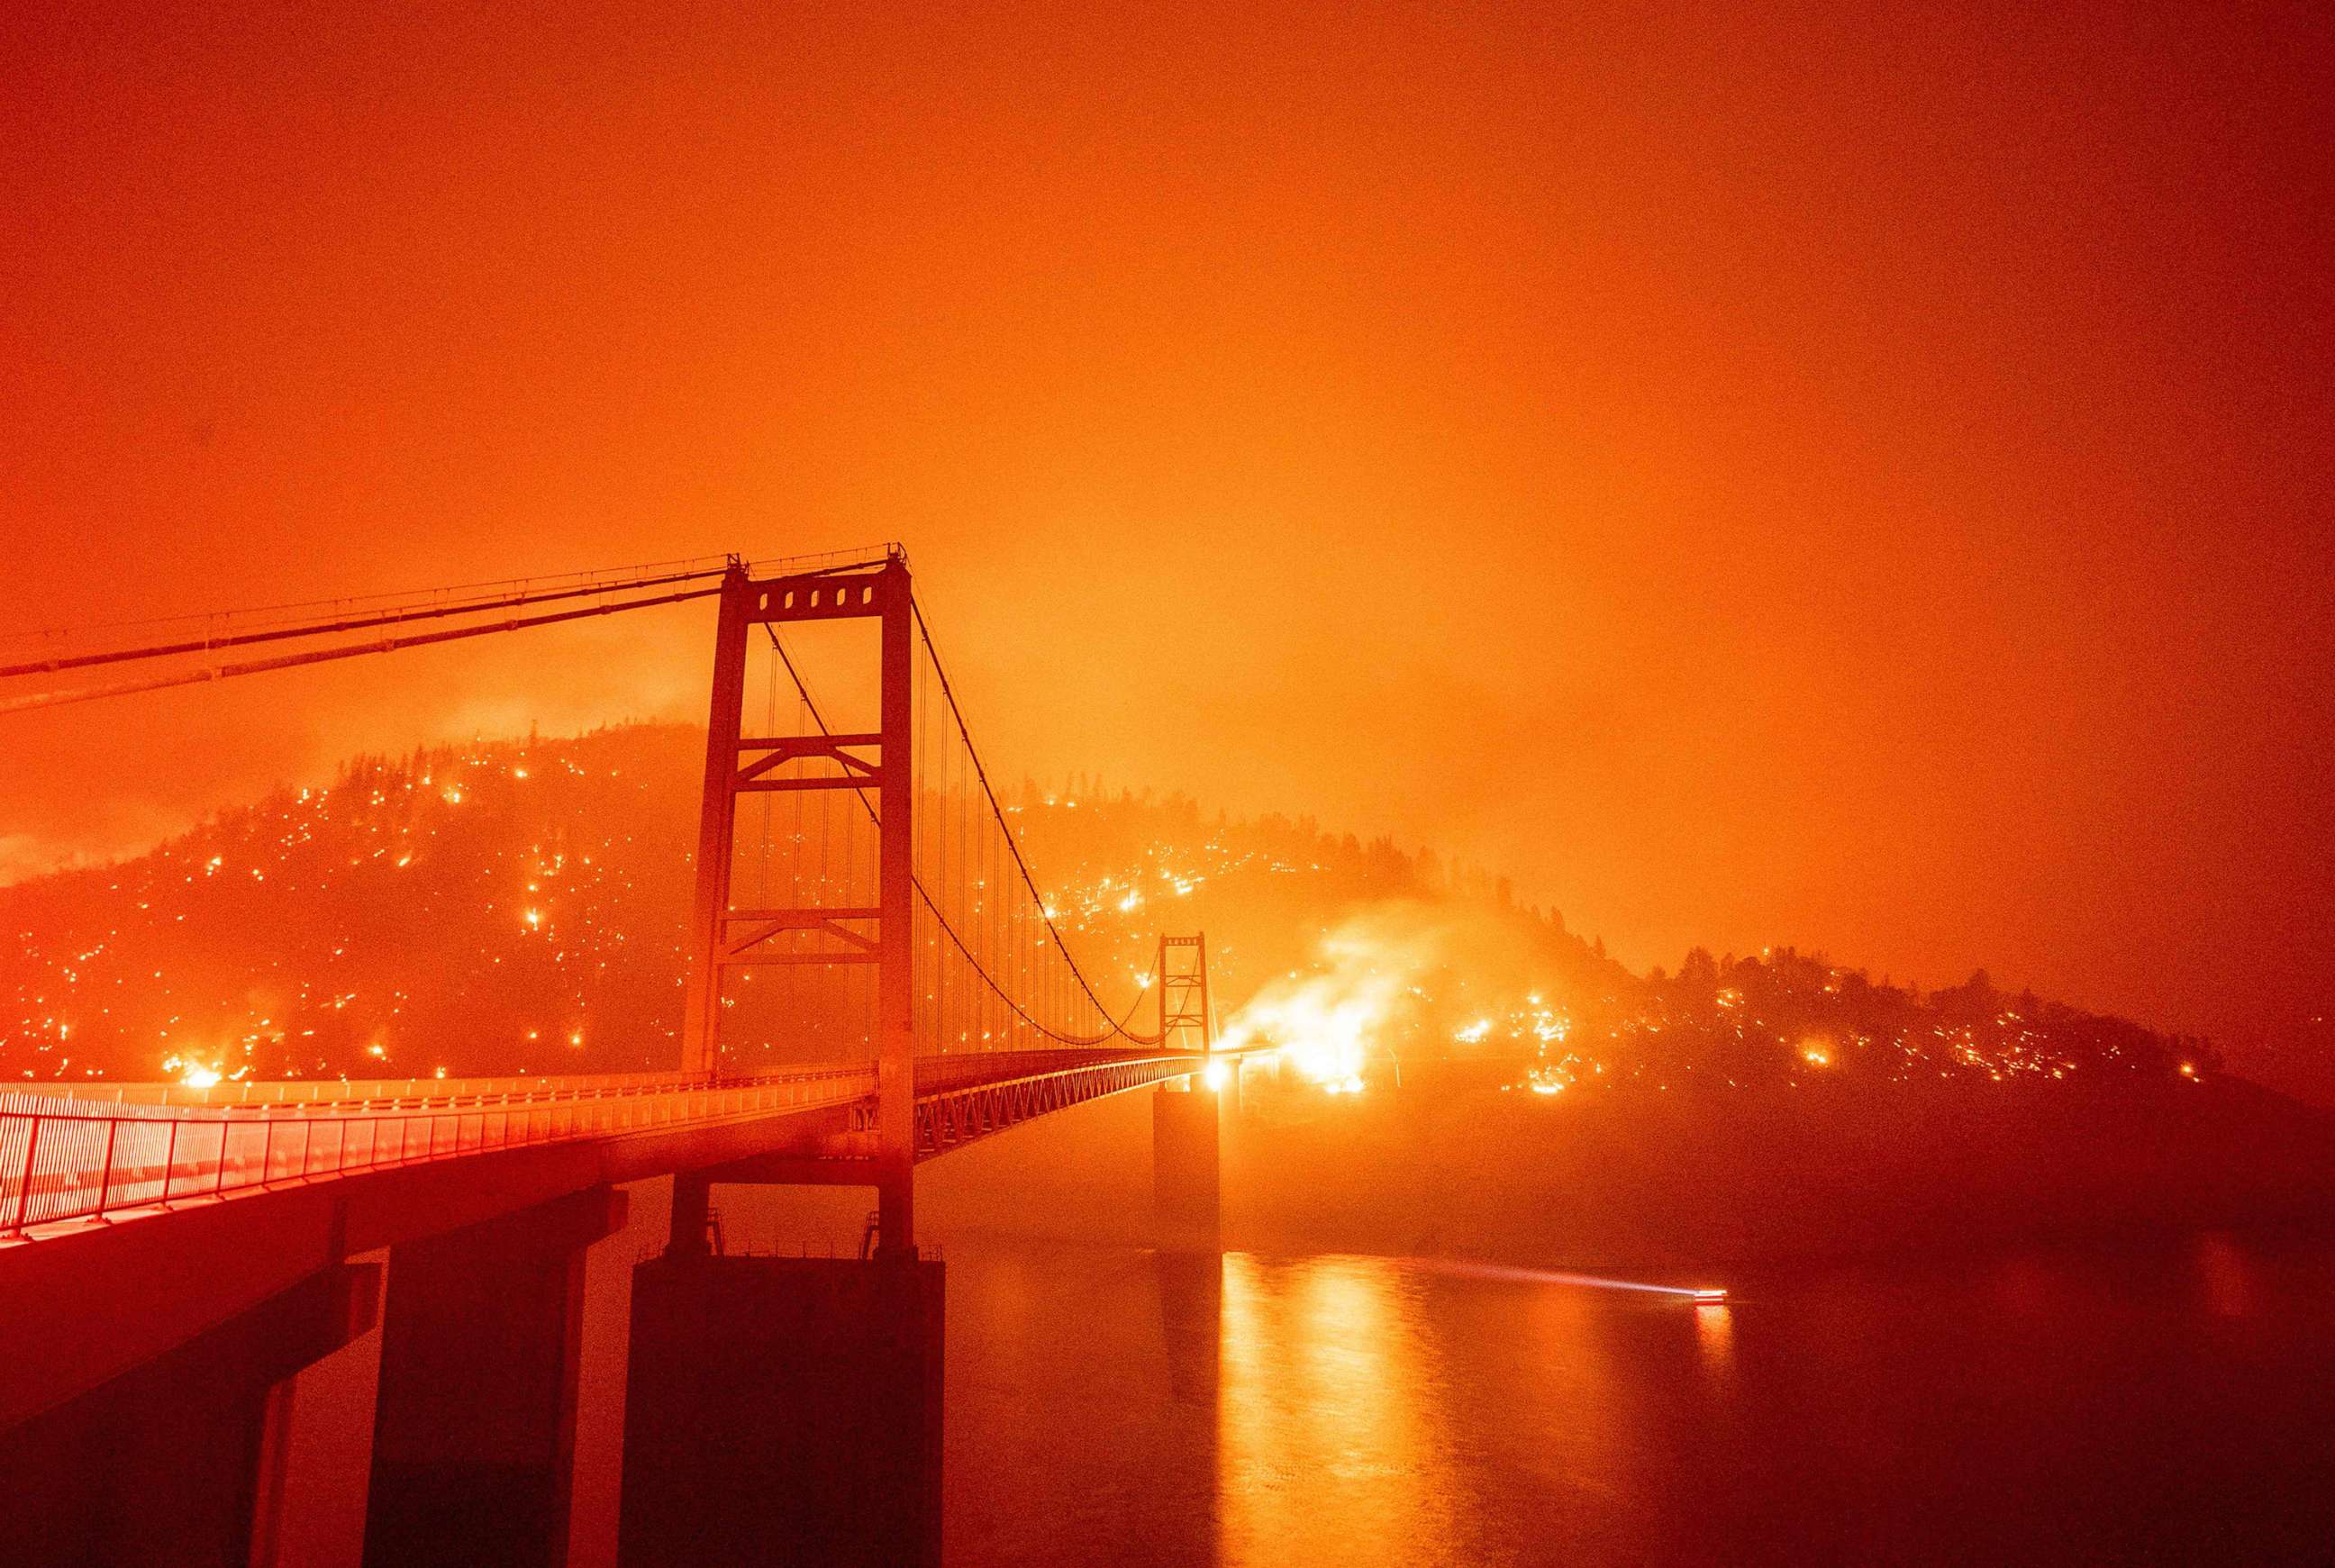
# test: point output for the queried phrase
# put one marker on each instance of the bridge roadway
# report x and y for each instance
(134, 1217)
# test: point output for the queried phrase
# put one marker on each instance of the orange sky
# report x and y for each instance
(1754, 477)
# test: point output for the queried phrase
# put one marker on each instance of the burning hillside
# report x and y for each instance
(521, 904)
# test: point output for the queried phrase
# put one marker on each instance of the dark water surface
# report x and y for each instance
(2165, 1402)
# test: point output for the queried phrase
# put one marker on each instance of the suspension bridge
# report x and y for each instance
(216, 1297)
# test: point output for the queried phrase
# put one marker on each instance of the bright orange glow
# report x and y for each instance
(1328, 1022)
(1274, 253)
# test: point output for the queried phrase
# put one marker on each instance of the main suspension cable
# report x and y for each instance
(319, 628)
(1117, 1029)
(997, 812)
(324, 655)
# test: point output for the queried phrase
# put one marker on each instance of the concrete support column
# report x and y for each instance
(1184, 1181)
(596, 1472)
(783, 1410)
(315, 1452)
(475, 1421)
(162, 1465)
(693, 1207)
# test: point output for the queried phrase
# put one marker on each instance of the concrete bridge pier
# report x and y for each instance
(315, 1450)
(783, 1410)
(165, 1464)
(1185, 1117)
(474, 1428)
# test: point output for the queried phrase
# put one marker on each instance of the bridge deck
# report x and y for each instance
(237, 1194)
(85, 1153)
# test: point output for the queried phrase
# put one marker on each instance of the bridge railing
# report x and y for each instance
(63, 1159)
(339, 1090)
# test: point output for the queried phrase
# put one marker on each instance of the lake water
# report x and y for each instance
(2160, 1402)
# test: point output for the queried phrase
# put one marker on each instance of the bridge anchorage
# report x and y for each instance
(441, 1322)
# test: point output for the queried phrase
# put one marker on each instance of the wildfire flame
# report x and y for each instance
(1326, 1023)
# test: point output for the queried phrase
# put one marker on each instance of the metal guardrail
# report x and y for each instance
(60, 1162)
(313, 1091)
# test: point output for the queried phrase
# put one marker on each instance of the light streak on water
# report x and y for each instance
(1477, 1271)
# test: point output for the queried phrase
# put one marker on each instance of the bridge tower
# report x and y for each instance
(724, 938)
(1185, 1022)
(1187, 1114)
(827, 1441)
